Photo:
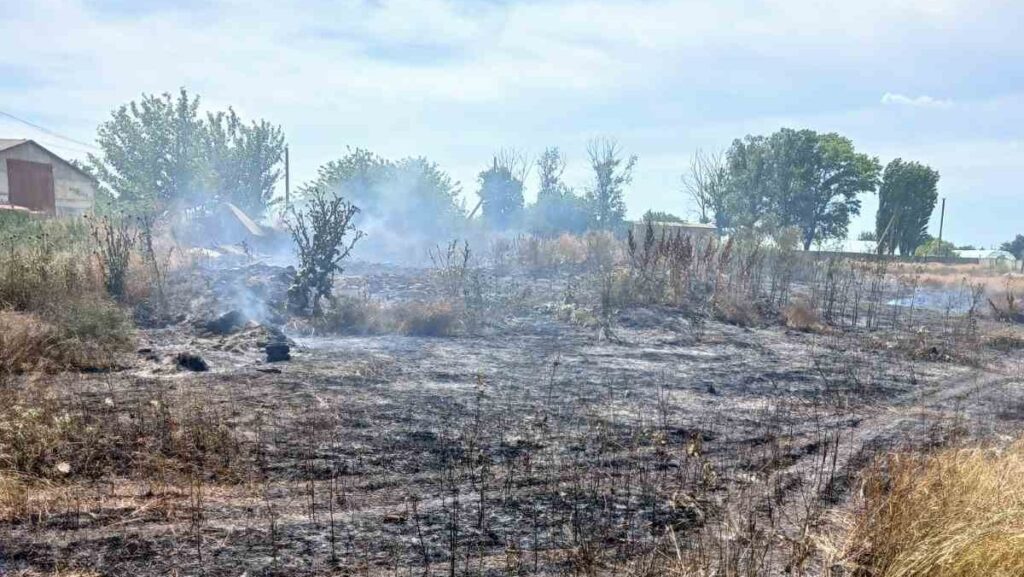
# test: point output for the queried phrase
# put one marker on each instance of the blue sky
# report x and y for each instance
(938, 81)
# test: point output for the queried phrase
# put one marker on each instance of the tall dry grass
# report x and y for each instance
(955, 513)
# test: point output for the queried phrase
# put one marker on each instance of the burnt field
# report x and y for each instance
(498, 420)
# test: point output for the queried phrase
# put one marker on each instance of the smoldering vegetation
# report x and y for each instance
(373, 378)
(644, 404)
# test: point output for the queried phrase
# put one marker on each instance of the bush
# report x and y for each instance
(352, 316)
(438, 319)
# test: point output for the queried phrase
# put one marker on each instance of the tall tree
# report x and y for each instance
(558, 209)
(611, 175)
(706, 184)
(245, 160)
(158, 153)
(405, 205)
(1015, 246)
(906, 200)
(152, 152)
(816, 182)
(745, 203)
(501, 190)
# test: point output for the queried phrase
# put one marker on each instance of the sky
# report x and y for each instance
(936, 81)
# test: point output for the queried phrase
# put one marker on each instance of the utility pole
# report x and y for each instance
(287, 181)
(942, 218)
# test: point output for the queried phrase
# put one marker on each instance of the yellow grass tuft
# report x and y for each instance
(956, 513)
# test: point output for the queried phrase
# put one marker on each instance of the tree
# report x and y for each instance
(660, 216)
(1015, 247)
(906, 200)
(152, 152)
(611, 175)
(324, 235)
(558, 209)
(706, 184)
(404, 204)
(501, 190)
(795, 178)
(816, 180)
(245, 160)
(745, 201)
(159, 153)
(934, 247)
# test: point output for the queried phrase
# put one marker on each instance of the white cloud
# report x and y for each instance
(923, 101)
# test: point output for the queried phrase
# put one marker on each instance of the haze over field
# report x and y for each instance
(939, 82)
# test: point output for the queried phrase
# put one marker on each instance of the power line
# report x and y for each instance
(47, 130)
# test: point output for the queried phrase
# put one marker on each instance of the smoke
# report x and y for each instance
(405, 208)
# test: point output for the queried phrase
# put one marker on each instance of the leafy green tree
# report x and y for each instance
(906, 200)
(501, 190)
(158, 152)
(558, 209)
(402, 203)
(612, 174)
(152, 152)
(660, 216)
(745, 200)
(795, 178)
(245, 160)
(1015, 247)
(816, 182)
(934, 247)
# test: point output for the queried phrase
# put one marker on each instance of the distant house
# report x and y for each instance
(668, 229)
(33, 178)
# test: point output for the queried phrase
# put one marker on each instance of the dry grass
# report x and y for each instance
(83, 336)
(956, 513)
(436, 319)
(46, 433)
(366, 316)
(801, 316)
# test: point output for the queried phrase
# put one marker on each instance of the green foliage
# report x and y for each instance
(660, 216)
(935, 247)
(501, 195)
(245, 160)
(1015, 246)
(55, 309)
(867, 235)
(412, 196)
(558, 209)
(906, 200)
(324, 236)
(158, 152)
(612, 174)
(796, 178)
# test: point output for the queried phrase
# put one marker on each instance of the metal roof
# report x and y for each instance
(6, 143)
(986, 254)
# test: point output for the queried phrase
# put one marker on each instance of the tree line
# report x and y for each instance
(159, 153)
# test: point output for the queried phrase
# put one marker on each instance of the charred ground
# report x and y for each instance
(541, 432)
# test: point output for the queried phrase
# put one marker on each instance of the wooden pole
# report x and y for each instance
(942, 218)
